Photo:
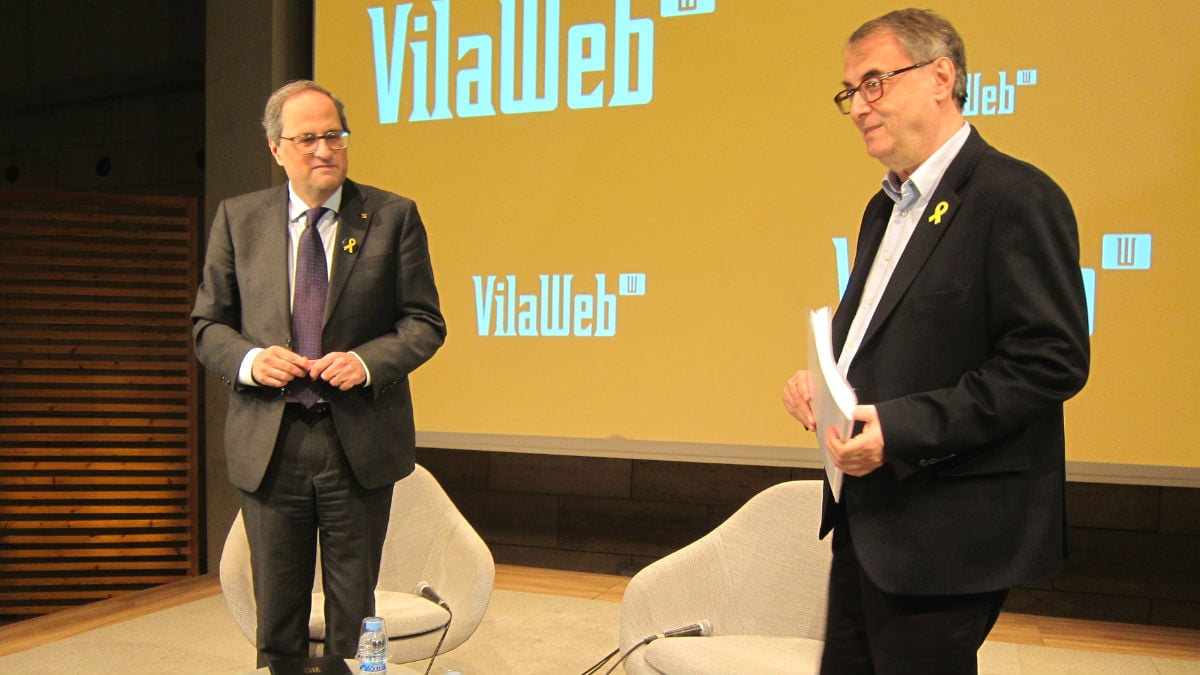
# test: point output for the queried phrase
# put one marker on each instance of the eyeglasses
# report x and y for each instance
(306, 144)
(870, 88)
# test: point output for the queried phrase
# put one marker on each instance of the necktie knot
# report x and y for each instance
(313, 216)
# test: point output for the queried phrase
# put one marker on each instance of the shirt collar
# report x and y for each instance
(297, 207)
(927, 176)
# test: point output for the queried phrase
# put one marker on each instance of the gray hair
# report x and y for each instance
(271, 115)
(924, 36)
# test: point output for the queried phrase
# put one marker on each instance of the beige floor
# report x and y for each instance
(540, 621)
(1024, 629)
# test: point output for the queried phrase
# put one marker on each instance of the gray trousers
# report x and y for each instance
(310, 494)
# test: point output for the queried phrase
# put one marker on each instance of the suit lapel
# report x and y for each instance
(875, 221)
(272, 234)
(938, 217)
(353, 221)
(924, 240)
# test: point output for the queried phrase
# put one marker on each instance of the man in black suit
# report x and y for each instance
(962, 330)
(320, 420)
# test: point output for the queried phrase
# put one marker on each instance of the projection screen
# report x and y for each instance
(633, 204)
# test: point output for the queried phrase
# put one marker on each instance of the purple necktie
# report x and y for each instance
(308, 305)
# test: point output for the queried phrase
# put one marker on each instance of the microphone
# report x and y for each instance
(702, 628)
(426, 591)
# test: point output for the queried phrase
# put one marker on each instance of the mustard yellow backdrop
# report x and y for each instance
(682, 163)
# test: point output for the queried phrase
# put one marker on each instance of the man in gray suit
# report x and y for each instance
(317, 301)
(963, 330)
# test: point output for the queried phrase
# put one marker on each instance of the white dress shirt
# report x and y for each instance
(911, 198)
(327, 227)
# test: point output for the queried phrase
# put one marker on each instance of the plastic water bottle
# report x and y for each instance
(372, 646)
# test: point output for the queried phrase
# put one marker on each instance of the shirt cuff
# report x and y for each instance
(366, 382)
(245, 372)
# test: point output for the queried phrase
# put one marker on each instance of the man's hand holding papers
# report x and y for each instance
(832, 401)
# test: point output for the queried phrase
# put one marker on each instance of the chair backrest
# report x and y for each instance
(422, 516)
(428, 539)
(777, 569)
(237, 584)
(761, 572)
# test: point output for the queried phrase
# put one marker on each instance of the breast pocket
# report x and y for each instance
(943, 299)
(370, 268)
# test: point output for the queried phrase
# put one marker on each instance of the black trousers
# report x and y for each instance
(310, 492)
(871, 632)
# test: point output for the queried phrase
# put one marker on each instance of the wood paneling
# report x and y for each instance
(99, 398)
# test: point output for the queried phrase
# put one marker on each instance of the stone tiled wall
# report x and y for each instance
(1134, 557)
(1135, 550)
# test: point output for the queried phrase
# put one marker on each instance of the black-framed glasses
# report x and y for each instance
(306, 144)
(871, 88)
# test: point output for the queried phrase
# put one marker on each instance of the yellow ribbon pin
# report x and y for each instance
(349, 245)
(939, 211)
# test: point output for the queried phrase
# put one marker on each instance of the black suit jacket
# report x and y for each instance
(382, 305)
(979, 337)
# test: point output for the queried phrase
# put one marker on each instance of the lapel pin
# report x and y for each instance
(348, 245)
(362, 216)
(939, 211)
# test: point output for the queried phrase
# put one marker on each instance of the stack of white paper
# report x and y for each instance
(833, 399)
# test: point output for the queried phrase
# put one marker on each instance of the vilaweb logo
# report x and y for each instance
(561, 307)
(529, 77)
(996, 99)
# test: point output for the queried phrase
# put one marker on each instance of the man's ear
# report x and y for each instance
(274, 148)
(944, 74)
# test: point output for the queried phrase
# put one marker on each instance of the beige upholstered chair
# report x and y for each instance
(760, 579)
(427, 540)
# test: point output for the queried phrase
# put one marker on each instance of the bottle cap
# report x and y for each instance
(373, 623)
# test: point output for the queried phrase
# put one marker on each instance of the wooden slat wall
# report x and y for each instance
(99, 398)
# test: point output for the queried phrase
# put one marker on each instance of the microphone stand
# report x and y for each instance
(702, 628)
(426, 591)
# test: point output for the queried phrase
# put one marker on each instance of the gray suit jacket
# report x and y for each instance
(979, 337)
(382, 305)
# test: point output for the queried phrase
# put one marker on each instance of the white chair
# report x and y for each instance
(427, 540)
(760, 579)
